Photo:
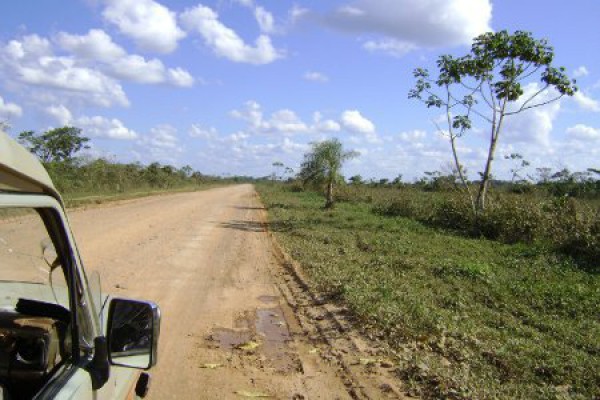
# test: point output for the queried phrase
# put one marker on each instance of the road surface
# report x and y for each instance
(236, 323)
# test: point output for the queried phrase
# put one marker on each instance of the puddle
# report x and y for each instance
(228, 339)
(269, 299)
(270, 325)
(268, 328)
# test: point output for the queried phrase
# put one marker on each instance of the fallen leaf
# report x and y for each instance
(248, 346)
(368, 361)
(313, 351)
(246, 393)
(211, 366)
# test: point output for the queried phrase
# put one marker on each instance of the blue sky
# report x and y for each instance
(231, 86)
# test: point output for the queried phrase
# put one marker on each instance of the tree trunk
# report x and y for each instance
(329, 202)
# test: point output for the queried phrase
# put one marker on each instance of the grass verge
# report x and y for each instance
(82, 199)
(467, 318)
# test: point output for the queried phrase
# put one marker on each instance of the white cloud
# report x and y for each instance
(586, 102)
(97, 46)
(533, 125)
(31, 61)
(393, 47)
(282, 122)
(356, 123)
(316, 76)
(584, 132)
(581, 71)
(286, 121)
(198, 131)
(163, 137)
(224, 41)
(135, 68)
(407, 24)
(152, 26)
(180, 77)
(61, 114)
(264, 19)
(103, 127)
(325, 126)
(9, 110)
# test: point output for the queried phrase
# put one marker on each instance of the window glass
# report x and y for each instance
(29, 267)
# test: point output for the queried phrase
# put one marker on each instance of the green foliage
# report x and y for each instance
(468, 318)
(322, 165)
(487, 84)
(55, 145)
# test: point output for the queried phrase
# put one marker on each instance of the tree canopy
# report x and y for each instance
(55, 145)
(323, 165)
(503, 75)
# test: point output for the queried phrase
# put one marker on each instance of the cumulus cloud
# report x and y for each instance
(581, 71)
(61, 114)
(152, 26)
(32, 62)
(180, 77)
(533, 125)
(95, 126)
(97, 46)
(102, 127)
(316, 77)
(264, 19)
(584, 132)
(9, 110)
(163, 137)
(406, 24)
(197, 131)
(224, 41)
(282, 122)
(356, 123)
(393, 47)
(586, 102)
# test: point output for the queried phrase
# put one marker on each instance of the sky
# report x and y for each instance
(230, 87)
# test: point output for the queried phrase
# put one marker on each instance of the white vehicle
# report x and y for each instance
(59, 337)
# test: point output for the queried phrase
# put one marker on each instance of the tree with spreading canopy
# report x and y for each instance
(503, 75)
(322, 165)
(55, 145)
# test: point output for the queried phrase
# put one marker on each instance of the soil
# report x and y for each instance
(238, 319)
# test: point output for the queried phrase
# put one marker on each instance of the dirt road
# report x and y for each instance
(236, 323)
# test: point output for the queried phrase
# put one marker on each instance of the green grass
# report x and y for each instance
(468, 318)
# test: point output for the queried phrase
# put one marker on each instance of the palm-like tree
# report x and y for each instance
(323, 164)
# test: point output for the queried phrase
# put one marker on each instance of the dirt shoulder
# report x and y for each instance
(238, 319)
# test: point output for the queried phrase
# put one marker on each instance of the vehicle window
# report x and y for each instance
(35, 321)
(30, 267)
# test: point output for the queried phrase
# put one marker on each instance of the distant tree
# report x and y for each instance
(544, 174)
(356, 180)
(323, 164)
(384, 181)
(278, 165)
(55, 145)
(397, 181)
(488, 84)
(519, 165)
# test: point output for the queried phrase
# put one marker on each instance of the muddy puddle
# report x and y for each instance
(263, 333)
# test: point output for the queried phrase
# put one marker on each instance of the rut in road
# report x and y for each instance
(238, 319)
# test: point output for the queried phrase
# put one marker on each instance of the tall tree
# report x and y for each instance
(59, 144)
(323, 165)
(489, 84)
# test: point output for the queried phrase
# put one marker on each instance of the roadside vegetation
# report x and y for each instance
(468, 317)
(83, 180)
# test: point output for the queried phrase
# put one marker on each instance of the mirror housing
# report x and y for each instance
(133, 331)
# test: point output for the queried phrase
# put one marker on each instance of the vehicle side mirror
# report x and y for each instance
(133, 330)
